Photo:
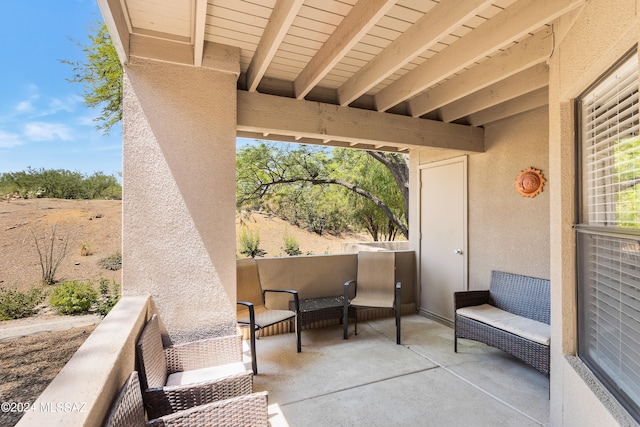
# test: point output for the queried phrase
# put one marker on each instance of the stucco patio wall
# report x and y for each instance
(507, 231)
(319, 276)
(396, 245)
(82, 393)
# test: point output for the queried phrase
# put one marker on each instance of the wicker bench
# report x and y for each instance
(513, 316)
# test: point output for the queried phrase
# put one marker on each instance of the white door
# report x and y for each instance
(443, 235)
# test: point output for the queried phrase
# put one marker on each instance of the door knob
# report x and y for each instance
(458, 251)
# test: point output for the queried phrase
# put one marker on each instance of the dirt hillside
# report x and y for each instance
(98, 224)
(272, 230)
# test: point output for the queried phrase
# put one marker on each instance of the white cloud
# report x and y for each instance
(38, 105)
(67, 104)
(24, 106)
(42, 131)
(8, 140)
(86, 120)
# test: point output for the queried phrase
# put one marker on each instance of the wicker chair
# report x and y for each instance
(190, 374)
(252, 310)
(128, 411)
(374, 287)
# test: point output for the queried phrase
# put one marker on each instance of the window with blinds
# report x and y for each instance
(608, 236)
(611, 149)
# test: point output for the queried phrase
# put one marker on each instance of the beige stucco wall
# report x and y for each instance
(587, 44)
(507, 231)
(318, 276)
(81, 394)
(179, 194)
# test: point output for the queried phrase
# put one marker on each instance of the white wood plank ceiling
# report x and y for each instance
(466, 62)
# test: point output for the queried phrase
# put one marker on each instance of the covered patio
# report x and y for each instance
(473, 91)
(422, 382)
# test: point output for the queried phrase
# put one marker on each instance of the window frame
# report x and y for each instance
(583, 228)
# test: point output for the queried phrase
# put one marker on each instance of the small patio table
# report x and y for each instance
(317, 309)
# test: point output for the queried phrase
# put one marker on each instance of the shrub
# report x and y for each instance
(250, 244)
(15, 304)
(291, 246)
(113, 192)
(113, 262)
(73, 297)
(86, 249)
(49, 259)
(109, 296)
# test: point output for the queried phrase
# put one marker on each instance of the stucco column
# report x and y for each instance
(179, 193)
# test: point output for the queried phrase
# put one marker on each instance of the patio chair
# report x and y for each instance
(374, 287)
(254, 313)
(190, 374)
(127, 410)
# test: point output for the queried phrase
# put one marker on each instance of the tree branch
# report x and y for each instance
(264, 187)
(397, 165)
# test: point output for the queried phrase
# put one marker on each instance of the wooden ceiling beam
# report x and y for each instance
(438, 23)
(532, 51)
(364, 15)
(513, 23)
(160, 49)
(282, 16)
(524, 82)
(268, 114)
(528, 102)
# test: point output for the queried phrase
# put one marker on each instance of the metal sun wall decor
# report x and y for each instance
(530, 182)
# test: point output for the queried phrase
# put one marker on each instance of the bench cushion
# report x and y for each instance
(527, 328)
(205, 374)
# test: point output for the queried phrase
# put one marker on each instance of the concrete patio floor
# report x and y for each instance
(368, 380)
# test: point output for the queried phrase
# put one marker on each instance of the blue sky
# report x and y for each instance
(43, 120)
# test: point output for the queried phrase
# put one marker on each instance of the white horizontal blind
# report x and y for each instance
(610, 276)
(608, 251)
(611, 150)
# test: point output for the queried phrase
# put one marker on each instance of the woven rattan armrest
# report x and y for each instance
(204, 353)
(469, 298)
(165, 400)
(249, 410)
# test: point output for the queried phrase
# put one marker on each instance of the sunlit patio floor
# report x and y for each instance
(368, 380)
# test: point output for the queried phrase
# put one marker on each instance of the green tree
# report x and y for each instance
(101, 75)
(60, 184)
(368, 172)
(264, 169)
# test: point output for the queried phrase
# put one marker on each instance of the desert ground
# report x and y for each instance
(96, 224)
(30, 363)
